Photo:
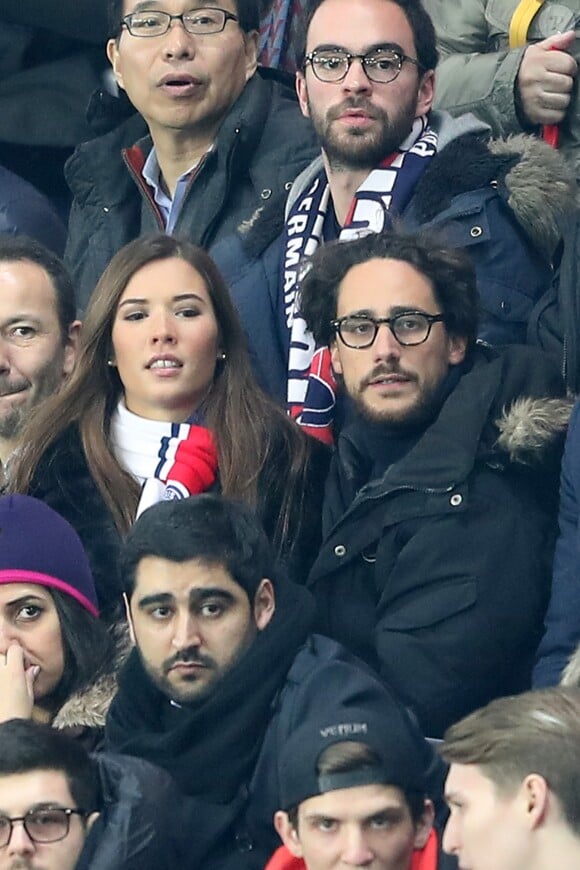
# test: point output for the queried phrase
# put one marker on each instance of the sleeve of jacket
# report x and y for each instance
(470, 77)
(460, 615)
(562, 622)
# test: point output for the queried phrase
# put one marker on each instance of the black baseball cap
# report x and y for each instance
(384, 726)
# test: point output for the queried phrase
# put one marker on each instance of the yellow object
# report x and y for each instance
(521, 20)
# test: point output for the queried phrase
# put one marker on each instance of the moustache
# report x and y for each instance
(384, 371)
(188, 656)
(354, 103)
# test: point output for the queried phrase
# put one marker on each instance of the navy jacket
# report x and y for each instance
(563, 617)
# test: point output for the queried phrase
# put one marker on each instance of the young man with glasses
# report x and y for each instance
(215, 143)
(49, 794)
(367, 81)
(61, 809)
(439, 510)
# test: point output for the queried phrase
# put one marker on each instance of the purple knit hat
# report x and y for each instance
(38, 546)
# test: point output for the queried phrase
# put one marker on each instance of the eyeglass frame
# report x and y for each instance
(389, 321)
(350, 56)
(68, 812)
(228, 16)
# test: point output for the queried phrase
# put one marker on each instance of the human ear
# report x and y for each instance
(264, 604)
(424, 826)
(114, 60)
(288, 833)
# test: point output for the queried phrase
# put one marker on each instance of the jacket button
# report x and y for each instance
(266, 193)
(456, 499)
(340, 551)
(288, 185)
(475, 232)
(105, 209)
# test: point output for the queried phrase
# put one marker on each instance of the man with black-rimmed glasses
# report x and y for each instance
(439, 510)
(367, 79)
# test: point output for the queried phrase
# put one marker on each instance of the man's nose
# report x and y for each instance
(450, 840)
(178, 43)
(356, 78)
(20, 842)
(186, 633)
(355, 852)
(385, 345)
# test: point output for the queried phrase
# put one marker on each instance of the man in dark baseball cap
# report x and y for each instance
(354, 792)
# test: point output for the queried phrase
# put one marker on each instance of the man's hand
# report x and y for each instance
(16, 685)
(546, 78)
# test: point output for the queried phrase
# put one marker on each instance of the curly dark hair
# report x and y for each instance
(450, 271)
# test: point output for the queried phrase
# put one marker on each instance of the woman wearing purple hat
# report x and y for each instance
(56, 657)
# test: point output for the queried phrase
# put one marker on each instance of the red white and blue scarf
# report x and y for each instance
(385, 193)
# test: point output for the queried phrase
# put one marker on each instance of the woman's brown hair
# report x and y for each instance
(250, 429)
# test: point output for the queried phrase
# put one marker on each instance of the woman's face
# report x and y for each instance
(165, 341)
(28, 618)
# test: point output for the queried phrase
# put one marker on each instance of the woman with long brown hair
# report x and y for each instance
(163, 401)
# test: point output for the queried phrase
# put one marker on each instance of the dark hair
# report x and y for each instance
(87, 645)
(248, 12)
(449, 270)
(25, 249)
(28, 746)
(209, 528)
(419, 21)
(535, 732)
(349, 756)
(250, 430)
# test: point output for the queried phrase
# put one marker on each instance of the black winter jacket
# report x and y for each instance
(438, 573)
(262, 145)
(139, 827)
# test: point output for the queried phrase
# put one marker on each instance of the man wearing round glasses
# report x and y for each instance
(440, 506)
(367, 81)
(215, 144)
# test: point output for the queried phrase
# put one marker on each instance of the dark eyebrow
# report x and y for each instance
(388, 46)
(181, 297)
(25, 599)
(155, 6)
(157, 598)
(198, 596)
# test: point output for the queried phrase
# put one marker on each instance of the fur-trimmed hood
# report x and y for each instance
(529, 426)
(88, 708)
(534, 180)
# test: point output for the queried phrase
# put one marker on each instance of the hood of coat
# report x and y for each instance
(528, 427)
(88, 707)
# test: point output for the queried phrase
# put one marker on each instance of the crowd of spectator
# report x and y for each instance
(289, 477)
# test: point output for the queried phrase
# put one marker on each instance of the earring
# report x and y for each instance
(222, 355)
(111, 363)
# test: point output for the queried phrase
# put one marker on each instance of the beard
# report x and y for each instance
(361, 149)
(189, 688)
(413, 417)
(47, 382)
